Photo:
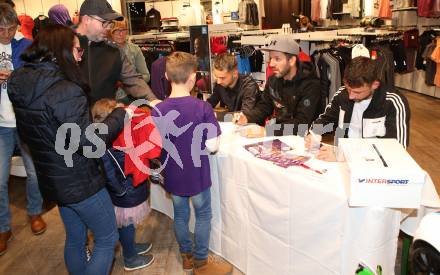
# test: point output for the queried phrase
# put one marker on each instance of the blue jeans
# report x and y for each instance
(202, 207)
(95, 213)
(127, 235)
(8, 140)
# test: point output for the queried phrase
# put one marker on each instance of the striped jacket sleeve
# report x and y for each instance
(397, 119)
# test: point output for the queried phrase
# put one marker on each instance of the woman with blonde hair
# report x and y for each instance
(118, 34)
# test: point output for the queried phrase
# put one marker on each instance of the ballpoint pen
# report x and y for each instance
(380, 155)
(314, 170)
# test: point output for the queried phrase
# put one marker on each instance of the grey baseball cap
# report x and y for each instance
(99, 8)
(282, 43)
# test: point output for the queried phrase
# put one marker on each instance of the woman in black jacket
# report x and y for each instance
(50, 101)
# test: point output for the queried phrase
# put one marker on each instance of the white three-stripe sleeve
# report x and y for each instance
(401, 127)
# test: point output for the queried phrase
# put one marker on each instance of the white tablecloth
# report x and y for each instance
(271, 220)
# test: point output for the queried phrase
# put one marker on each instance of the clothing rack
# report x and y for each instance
(362, 32)
(161, 36)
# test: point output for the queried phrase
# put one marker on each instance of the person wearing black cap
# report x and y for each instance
(103, 63)
(292, 95)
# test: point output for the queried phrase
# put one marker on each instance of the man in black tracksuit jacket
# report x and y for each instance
(385, 112)
(292, 95)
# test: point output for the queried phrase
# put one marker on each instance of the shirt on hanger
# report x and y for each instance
(324, 5)
(153, 19)
(187, 16)
(217, 13)
(191, 15)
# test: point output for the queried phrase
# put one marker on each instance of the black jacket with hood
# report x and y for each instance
(291, 102)
(43, 100)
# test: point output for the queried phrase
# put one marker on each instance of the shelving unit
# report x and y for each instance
(405, 9)
(405, 18)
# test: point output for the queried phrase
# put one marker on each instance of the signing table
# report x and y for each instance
(273, 220)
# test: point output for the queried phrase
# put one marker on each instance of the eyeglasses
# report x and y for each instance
(11, 29)
(105, 23)
(119, 31)
(79, 50)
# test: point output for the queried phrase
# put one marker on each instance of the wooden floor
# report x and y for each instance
(424, 140)
(29, 255)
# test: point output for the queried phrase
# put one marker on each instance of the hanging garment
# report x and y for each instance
(430, 65)
(428, 8)
(219, 44)
(248, 13)
(399, 56)
(435, 56)
(385, 63)
(242, 11)
(324, 9)
(153, 19)
(306, 7)
(336, 6)
(335, 74)
(252, 14)
(371, 8)
(262, 9)
(356, 10)
(244, 67)
(256, 61)
(360, 50)
(217, 13)
(27, 25)
(435, 8)
(187, 16)
(411, 38)
(316, 10)
(385, 9)
(424, 40)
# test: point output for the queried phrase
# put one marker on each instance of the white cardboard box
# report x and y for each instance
(386, 176)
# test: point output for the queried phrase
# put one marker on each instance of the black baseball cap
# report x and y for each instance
(99, 8)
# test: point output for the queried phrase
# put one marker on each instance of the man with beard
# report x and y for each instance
(103, 63)
(292, 95)
(235, 91)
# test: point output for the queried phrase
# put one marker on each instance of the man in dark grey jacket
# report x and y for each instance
(292, 95)
(235, 91)
(103, 63)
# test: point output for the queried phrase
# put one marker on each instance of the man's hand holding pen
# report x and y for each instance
(240, 119)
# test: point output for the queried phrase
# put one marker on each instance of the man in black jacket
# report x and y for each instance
(103, 63)
(292, 94)
(235, 91)
(363, 108)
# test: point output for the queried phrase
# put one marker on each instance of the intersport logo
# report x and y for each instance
(384, 181)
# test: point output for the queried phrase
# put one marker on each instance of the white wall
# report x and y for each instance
(35, 7)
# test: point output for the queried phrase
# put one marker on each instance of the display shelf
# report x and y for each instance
(405, 9)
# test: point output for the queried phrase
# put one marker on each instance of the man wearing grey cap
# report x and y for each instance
(292, 95)
(103, 63)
